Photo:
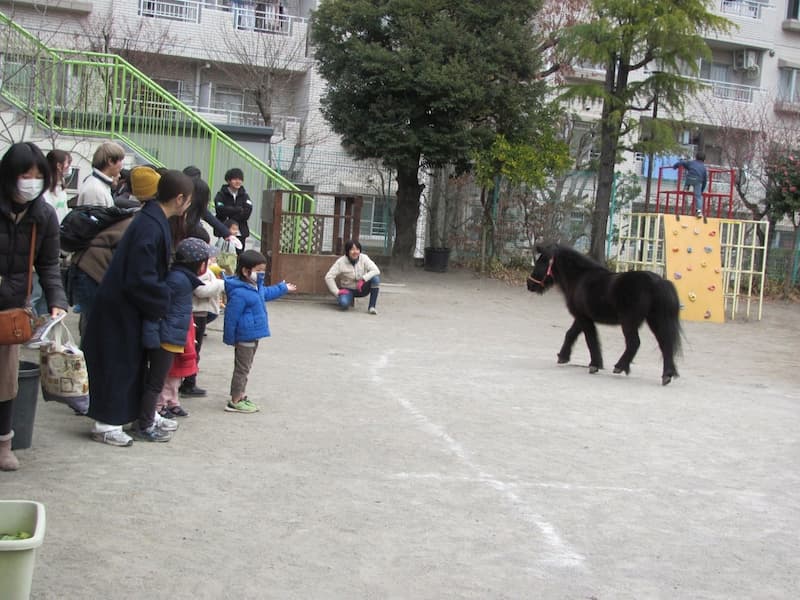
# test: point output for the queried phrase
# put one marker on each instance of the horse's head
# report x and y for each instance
(541, 278)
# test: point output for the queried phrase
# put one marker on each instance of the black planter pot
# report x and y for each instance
(436, 259)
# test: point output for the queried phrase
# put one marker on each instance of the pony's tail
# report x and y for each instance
(665, 314)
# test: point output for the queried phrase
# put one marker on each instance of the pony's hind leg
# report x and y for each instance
(569, 340)
(667, 336)
(632, 343)
(593, 342)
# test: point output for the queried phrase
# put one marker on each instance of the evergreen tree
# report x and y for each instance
(664, 37)
(425, 83)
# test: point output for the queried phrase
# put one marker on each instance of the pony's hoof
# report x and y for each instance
(562, 360)
(593, 369)
(665, 379)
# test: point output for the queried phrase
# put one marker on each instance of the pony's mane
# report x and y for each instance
(570, 259)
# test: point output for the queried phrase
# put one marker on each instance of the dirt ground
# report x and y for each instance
(438, 451)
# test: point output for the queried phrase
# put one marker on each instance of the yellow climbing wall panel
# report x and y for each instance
(694, 265)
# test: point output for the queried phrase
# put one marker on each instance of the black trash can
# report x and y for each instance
(436, 259)
(24, 410)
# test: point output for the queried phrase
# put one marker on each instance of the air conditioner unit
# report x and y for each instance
(752, 72)
(744, 60)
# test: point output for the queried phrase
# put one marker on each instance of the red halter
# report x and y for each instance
(549, 274)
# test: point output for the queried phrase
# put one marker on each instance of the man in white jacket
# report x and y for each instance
(106, 165)
(354, 275)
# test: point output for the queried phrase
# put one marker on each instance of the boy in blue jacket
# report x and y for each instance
(246, 320)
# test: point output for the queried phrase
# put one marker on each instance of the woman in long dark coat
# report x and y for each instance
(133, 289)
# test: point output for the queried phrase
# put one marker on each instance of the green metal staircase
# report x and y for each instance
(94, 95)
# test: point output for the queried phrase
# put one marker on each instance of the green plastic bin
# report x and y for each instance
(17, 557)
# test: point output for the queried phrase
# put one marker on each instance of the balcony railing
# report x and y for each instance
(246, 17)
(787, 106)
(175, 10)
(748, 9)
(731, 91)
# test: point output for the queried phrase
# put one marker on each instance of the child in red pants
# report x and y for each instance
(183, 365)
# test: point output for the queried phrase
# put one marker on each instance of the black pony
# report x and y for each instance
(596, 295)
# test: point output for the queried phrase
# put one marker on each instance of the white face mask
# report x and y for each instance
(254, 276)
(29, 189)
(67, 173)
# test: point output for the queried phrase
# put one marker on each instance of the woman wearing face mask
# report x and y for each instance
(133, 289)
(24, 175)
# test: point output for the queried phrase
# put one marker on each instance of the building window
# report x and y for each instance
(714, 71)
(789, 86)
(793, 9)
(228, 99)
(176, 88)
(374, 216)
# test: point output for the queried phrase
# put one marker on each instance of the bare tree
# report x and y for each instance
(552, 20)
(269, 67)
(142, 43)
(748, 135)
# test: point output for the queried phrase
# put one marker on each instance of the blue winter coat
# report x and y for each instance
(133, 289)
(246, 317)
(174, 327)
(696, 173)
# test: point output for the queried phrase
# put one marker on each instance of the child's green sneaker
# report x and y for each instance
(243, 406)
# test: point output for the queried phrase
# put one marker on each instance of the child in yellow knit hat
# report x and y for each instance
(144, 182)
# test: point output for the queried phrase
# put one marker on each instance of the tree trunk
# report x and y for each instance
(407, 212)
(605, 183)
(788, 276)
(610, 129)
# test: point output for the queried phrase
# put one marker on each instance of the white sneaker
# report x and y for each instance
(165, 424)
(372, 310)
(115, 437)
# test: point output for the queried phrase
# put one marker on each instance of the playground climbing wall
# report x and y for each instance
(732, 272)
(694, 265)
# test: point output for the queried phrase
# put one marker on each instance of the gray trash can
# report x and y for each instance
(24, 410)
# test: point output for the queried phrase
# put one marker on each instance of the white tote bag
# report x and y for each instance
(63, 369)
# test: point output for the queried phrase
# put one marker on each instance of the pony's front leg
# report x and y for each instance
(569, 340)
(632, 343)
(593, 341)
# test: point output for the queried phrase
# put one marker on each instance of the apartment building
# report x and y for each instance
(244, 66)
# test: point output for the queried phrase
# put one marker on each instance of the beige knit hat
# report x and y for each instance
(144, 182)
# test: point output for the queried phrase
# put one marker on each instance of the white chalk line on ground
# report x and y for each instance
(739, 495)
(560, 554)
